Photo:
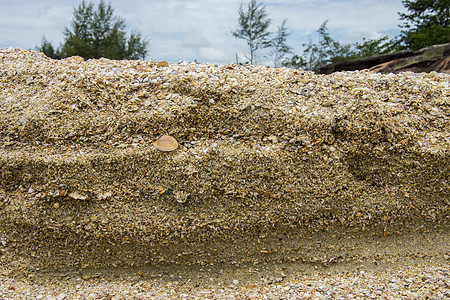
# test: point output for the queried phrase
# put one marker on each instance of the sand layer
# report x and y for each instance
(272, 165)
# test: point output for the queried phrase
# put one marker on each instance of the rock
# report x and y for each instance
(327, 102)
(434, 58)
(77, 196)
(273, 139)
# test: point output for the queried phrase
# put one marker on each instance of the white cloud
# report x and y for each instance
(209, 54)
(195, 41)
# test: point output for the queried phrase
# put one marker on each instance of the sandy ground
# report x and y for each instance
(282, 183)
(408, 266)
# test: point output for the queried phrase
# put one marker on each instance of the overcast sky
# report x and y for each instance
(201, 29)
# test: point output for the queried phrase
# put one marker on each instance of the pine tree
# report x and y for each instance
(253, 27)
(426, 23)
(47, 48)
(278, 44)
(96, 33)
(327, 50)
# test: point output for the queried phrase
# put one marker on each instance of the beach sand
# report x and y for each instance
(284, 183)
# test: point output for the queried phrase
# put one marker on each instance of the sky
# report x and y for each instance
(200, 30)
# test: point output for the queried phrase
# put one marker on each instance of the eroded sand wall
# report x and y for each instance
(262, 152)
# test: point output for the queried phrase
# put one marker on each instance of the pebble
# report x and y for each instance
(61, 296)
(327, 103)
(273, 139)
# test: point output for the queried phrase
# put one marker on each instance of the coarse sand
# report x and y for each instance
(281, 182)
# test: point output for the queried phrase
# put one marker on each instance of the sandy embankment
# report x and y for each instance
(274, 165)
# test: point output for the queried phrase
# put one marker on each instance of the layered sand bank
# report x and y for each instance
(272, 164)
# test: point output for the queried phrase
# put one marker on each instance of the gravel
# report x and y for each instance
(431, 282)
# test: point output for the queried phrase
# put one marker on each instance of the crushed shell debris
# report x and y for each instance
(260, 150)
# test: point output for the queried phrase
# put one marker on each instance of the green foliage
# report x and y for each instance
(426, 23)
(278, 45)
(136, 46)
(327, 50)
(253, 27)
(47, 48)
(370, 47)
(96, 33)
(295, 62)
